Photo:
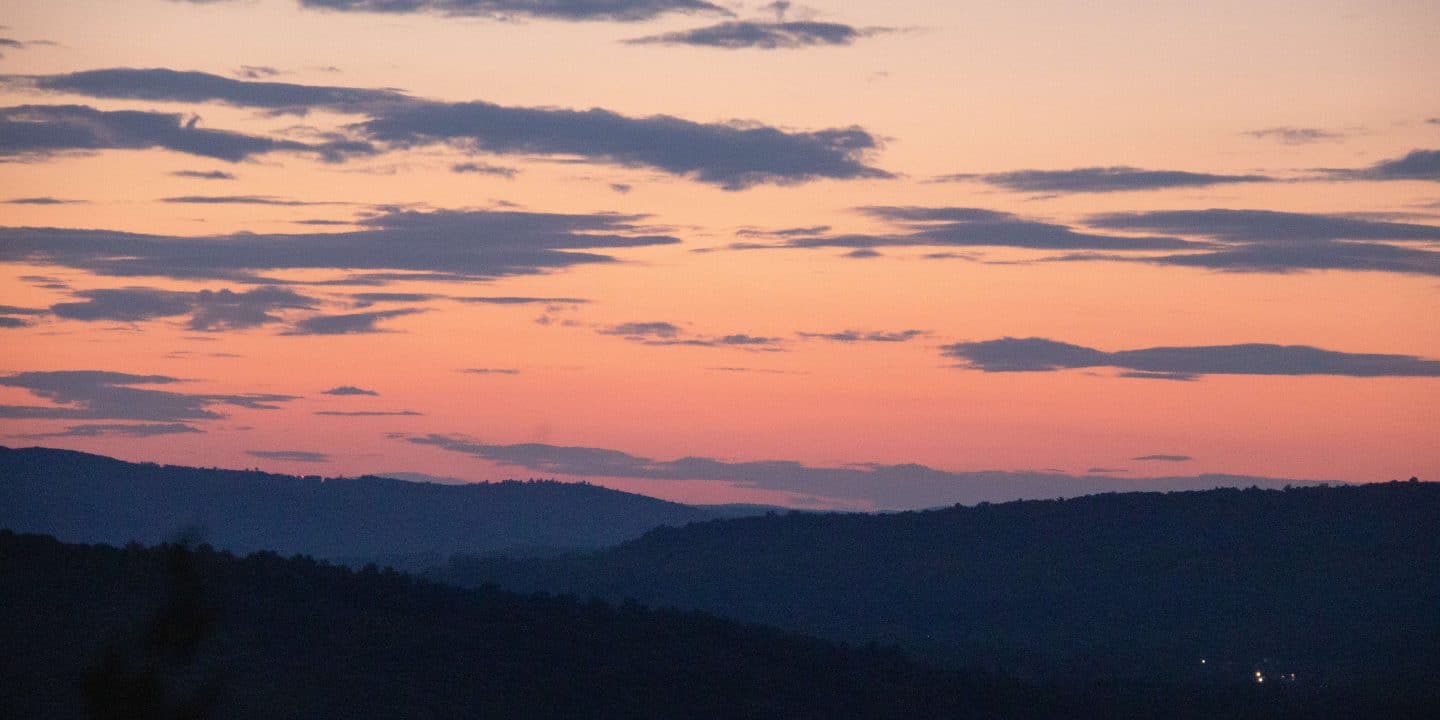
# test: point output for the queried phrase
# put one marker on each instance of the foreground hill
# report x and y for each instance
(89, 498)
(1331, 584)
(172, 632)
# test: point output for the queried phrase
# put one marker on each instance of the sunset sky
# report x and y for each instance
(826, 254)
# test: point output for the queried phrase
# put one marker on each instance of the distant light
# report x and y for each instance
(1202, 661)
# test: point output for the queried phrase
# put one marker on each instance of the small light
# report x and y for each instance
(1202, 661)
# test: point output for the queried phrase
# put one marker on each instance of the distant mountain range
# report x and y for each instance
(79, 497)
(1327, 583)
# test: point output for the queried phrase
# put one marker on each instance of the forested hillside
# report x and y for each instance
(1328, 584)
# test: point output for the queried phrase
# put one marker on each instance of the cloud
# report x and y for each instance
(1164, 458)
(575, 10)
(664, 334)
(204, 174)
(491, 371)
(163, 84)
(290, 455)
(521, 300)
(104, 395)
(121, 430)
(37, 131)
(1415, 165)
(1102, 180)
(208, 310)
(968, 227)
(241, 200)
(11, 323)
(17, 310)
(1270, 241)
(763, 35)
(1265, 226)
(484, 169)
(255, 72)
(343, 390)
(1296, 135)
(439, 245)
(347, 324)
(734, 156)
(903, 486)
(42, 201)
(1042, 355)
(854, 336)
(369, 413)
(642, 330)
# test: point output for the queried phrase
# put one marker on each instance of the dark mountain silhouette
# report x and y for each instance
(176, 632)
(80, 497)
(1334, 584)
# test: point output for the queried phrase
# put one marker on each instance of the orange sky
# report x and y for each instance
(941, 88)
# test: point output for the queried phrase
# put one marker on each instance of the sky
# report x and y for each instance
(852, 255)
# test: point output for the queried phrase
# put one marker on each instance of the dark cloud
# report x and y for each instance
(1296, 135)
(103, 395)
(347, 324)
(491, 371)
(1269, 241)
(1102, 180)
(204, 174)
(289, 455)
(968, 227)
(163, 84)
(763, 35)
(663, 334)
(1042, 355)
(732, 155)
(438, 245)
(369, 413)
(255, 72)
(484, 169)
(32, 131)
(1106, 471)
(521, 300)
(622, 188)
(611, 10)
(42, 201)
(1416, 165)
(116, 429)
(1164, 458)
(1267, 226)
(208, 310)
(17, 310)
(349, 390)
(241, 200)
(642, 330)
(901, 486)
(854, 336)
(11, 323)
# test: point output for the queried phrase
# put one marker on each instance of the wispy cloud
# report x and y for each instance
(208, 310)
(343, 390)
(663, 334)
(105, 395)
(1043, 355)
(440, 244)
(290, 455)
(764, 35)
(347, 324)
(900, 486)
(1102, 180)
(1297, 135)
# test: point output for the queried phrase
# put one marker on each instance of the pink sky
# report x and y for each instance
(1027, 237)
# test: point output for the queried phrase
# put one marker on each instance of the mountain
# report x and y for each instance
(89, 498)
(182, 632)
(1330, 584)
